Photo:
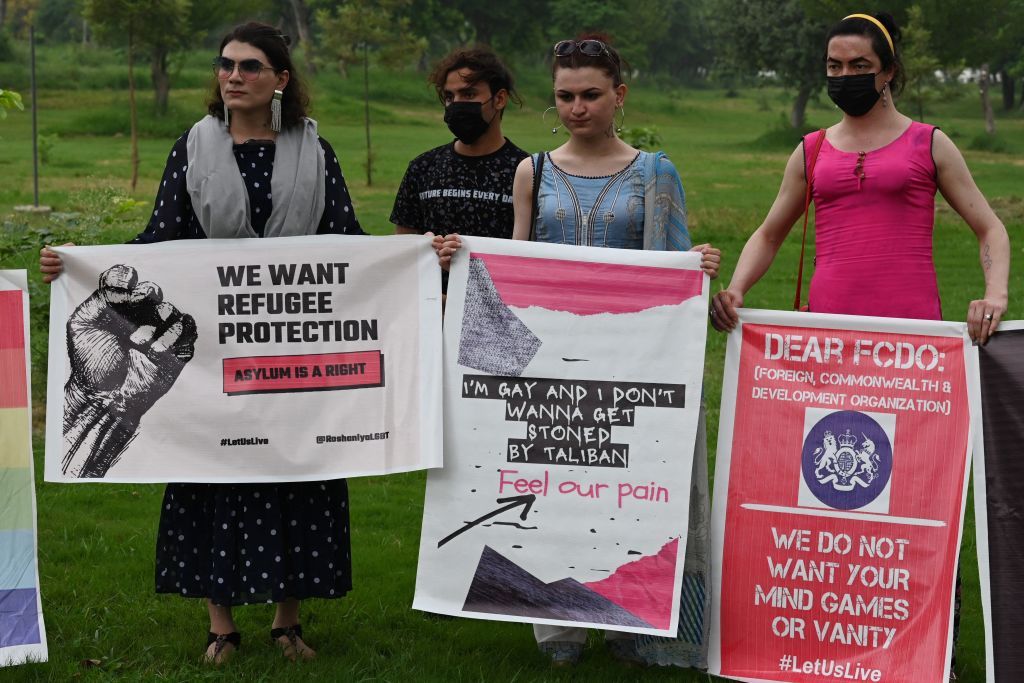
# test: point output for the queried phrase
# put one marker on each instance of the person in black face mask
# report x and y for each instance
(873, 178)
(465, 186)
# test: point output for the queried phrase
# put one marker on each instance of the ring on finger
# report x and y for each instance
(988, 316)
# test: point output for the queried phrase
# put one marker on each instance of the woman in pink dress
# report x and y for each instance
(873, 186)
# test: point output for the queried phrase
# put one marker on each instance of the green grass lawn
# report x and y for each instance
(96, 542)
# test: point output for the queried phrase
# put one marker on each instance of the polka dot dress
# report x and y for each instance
(251, 543)
(173, 217)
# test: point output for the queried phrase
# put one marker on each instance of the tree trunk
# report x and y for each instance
(986, 101)
(1009, 84)
(85, 31)
(302, 24)
(131, 109)
(366, 114)
(3, 12)
(798, 116)
(161, 79)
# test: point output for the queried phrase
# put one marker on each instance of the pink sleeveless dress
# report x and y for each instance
(874, 217)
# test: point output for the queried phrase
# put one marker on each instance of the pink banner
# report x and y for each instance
(839, 499)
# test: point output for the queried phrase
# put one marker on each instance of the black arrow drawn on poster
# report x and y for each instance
(515, 501)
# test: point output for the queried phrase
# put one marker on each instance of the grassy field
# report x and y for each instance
(96, 542)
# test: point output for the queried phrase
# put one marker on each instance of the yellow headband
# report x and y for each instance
(877, 23)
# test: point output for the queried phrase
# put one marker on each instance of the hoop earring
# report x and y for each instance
(227, 116)
(275, 111)
(622, 119)
(543, 118)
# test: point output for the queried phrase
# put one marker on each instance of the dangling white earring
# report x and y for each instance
(275, 111)
(543, 118)
(227, 116)
(622, 119)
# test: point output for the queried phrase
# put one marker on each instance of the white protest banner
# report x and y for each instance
(840, 484)
(572, 390)
(22, 635)
(291, 359)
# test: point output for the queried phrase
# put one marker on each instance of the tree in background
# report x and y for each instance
(18, 16)
(772, 36)
(1016, 70)
(9, 100)
(1007, 47)
(170, 30)
(443, 26)
(155, 27)
(509, 27)
(163, 29)
(919, 64)
(686, 49)
(176, 27)
(121, 22)
(632, 27)
(358, 27)
(301, 15)
(59, 20)
(991, 45)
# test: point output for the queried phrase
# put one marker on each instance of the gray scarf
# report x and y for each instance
(218, 193)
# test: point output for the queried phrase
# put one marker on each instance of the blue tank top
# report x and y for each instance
(603, 211)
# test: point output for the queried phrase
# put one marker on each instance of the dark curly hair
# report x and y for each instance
(890, 57)
(274, 44)
(482, 64)
(611, 62)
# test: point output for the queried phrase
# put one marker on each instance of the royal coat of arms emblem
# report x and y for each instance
(847, 459)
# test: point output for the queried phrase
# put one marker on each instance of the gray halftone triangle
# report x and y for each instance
(493, 338)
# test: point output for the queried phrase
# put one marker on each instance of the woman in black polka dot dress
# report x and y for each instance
(248, 543)
(236, 544)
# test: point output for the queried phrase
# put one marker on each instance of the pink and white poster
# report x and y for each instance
(843, 453)
(572, 391)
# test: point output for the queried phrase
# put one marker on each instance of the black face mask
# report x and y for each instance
(855, 95)
(466, 122)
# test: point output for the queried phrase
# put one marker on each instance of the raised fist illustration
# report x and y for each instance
(127, 347)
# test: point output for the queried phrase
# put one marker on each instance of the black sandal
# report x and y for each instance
(295, 647)
(219, 642)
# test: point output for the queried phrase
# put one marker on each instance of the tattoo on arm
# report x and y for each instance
(987, 257)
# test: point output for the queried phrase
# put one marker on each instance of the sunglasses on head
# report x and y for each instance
(589, 47)
(248, 69)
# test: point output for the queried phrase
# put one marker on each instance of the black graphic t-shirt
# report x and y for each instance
(444, 192)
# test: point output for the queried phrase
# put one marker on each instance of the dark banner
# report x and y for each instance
(999, 481)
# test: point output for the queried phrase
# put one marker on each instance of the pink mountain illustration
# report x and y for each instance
(644, 587)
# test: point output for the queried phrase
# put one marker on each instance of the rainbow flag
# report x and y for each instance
(22, 635)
